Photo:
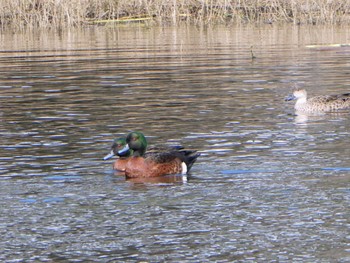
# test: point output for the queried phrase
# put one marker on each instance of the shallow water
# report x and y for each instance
(269, 186)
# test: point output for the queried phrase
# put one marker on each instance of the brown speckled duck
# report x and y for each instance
(325, 103)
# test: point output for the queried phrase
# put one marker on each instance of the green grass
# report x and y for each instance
(19, 14)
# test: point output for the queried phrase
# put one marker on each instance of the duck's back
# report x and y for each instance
(327, 103)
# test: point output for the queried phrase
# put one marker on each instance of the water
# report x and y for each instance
(269, 186)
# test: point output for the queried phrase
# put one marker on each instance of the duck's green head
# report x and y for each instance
(118, 144)
(136, 142)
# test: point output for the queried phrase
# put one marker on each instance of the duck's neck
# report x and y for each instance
(139, 152)
(300, 102)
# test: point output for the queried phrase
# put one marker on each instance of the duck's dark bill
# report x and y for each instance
(108, 156)
(124, 150)
(290, 97)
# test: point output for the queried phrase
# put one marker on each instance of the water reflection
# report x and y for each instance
(304, 118)
(169, 179)
(262, 181)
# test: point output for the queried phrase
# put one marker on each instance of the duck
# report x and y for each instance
(120, 163)
(318, 104)
(155, 161)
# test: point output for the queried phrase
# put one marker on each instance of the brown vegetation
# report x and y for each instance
(67, 13)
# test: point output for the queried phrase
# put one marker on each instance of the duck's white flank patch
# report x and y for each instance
(184, 168)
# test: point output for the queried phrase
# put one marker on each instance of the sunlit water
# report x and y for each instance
(269, 186)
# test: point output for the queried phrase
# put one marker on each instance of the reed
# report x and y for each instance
(67, 13)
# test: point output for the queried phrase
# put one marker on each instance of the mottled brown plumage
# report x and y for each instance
(326, 103)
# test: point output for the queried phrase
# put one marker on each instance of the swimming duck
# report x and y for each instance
(120, 163)
(326, 103)
(155, 161)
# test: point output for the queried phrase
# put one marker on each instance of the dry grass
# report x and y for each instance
(67, 13)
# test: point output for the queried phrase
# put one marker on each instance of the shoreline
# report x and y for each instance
(43, 14)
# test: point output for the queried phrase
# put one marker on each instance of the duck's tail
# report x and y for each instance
(189, 157)
(345, 96)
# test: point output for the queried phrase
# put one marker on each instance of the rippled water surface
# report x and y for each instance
(269, 186)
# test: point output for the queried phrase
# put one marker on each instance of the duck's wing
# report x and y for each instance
(160, 156)
(189, 157)
(344, 97)
(330, 98)
(321, 99)
(338, 97)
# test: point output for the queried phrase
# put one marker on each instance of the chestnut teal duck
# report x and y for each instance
(155, 161)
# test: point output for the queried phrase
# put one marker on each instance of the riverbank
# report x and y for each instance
(20, 14)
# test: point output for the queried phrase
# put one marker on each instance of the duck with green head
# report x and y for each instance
(155, 161)
(120, 163)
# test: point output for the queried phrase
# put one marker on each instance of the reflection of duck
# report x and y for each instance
(167, 179)
(326, 103)
(156, 161)
(120, 163)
